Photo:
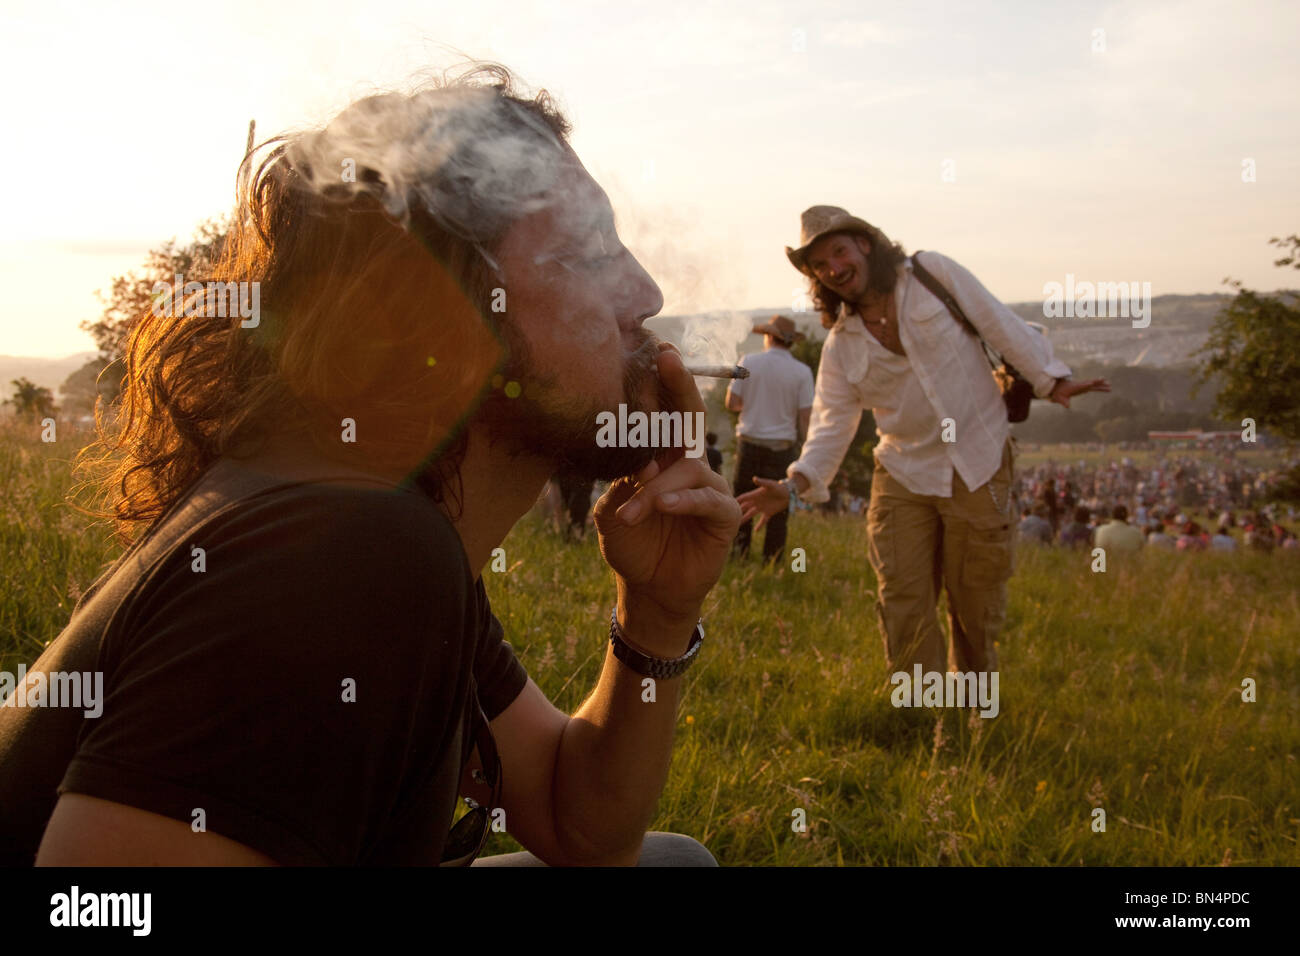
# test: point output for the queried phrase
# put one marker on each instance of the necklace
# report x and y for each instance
(884, 314)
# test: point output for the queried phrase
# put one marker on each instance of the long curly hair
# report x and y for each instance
(882, 266)
(370, 243)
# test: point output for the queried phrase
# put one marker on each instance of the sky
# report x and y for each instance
(1142, 142)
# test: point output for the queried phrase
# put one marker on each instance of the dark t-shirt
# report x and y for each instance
(308, 690)
(1076, 535)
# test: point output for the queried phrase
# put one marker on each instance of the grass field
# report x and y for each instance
(1119, 690)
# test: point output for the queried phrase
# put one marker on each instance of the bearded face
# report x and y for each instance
(576, 299)
(548, 421)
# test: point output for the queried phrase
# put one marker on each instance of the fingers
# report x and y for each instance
(682, 394)
(685, 473)
(774, 492)
(765, 486)
(769, 499)
(716, 507)
(685, 396)
(622, 489)
(618, 492)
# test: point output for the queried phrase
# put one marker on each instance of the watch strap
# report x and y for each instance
(660, 668)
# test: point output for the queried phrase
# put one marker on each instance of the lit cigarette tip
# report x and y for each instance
(718, 371)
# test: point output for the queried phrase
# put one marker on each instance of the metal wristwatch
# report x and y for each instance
(660, 668)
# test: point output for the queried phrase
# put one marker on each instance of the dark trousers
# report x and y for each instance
(576, 494)
(756, 461)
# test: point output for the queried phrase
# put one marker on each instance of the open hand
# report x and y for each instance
(1066, 389)
(768, 500)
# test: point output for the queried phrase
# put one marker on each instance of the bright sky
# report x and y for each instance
(712, 125)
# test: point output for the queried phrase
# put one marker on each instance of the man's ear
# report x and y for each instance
(863, 243)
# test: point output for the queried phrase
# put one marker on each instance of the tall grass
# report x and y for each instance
(49, 552)
(1120, 690)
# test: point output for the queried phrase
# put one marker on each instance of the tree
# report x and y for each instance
(859, 462)
(131, 295)
(1254, 349)
(31, 401)
(1115, 406)
(1051, 423)
(84, 386)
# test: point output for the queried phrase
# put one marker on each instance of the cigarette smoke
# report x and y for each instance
(662, 240)
(473, 161)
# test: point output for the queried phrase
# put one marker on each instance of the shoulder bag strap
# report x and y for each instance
(928, 280)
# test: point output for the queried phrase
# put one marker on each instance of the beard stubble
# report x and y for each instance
(542, 422)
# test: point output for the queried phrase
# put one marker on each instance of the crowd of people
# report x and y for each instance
(1179, 503)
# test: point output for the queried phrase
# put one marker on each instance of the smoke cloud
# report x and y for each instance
(473, 161)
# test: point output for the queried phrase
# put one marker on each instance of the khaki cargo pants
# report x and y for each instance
(964, 542)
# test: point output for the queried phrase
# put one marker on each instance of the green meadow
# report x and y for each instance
(1247, 456)
(1120, 691)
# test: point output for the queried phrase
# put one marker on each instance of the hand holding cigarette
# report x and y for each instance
(667, 530)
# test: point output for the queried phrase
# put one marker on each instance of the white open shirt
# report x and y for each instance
(944, 375)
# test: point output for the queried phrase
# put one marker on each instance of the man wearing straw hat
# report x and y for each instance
(774, 403)
(941, 492)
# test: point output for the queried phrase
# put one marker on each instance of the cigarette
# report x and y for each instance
(718, 371)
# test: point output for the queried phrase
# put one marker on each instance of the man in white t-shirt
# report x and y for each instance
(775, 404)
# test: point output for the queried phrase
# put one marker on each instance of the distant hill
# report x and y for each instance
(48, 372)
(1151, 370)
(1179, 326)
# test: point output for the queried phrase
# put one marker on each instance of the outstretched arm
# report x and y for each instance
(832, 423)
(1007, 333)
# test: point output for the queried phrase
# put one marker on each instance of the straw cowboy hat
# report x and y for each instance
(781, 328)
(818, 221)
